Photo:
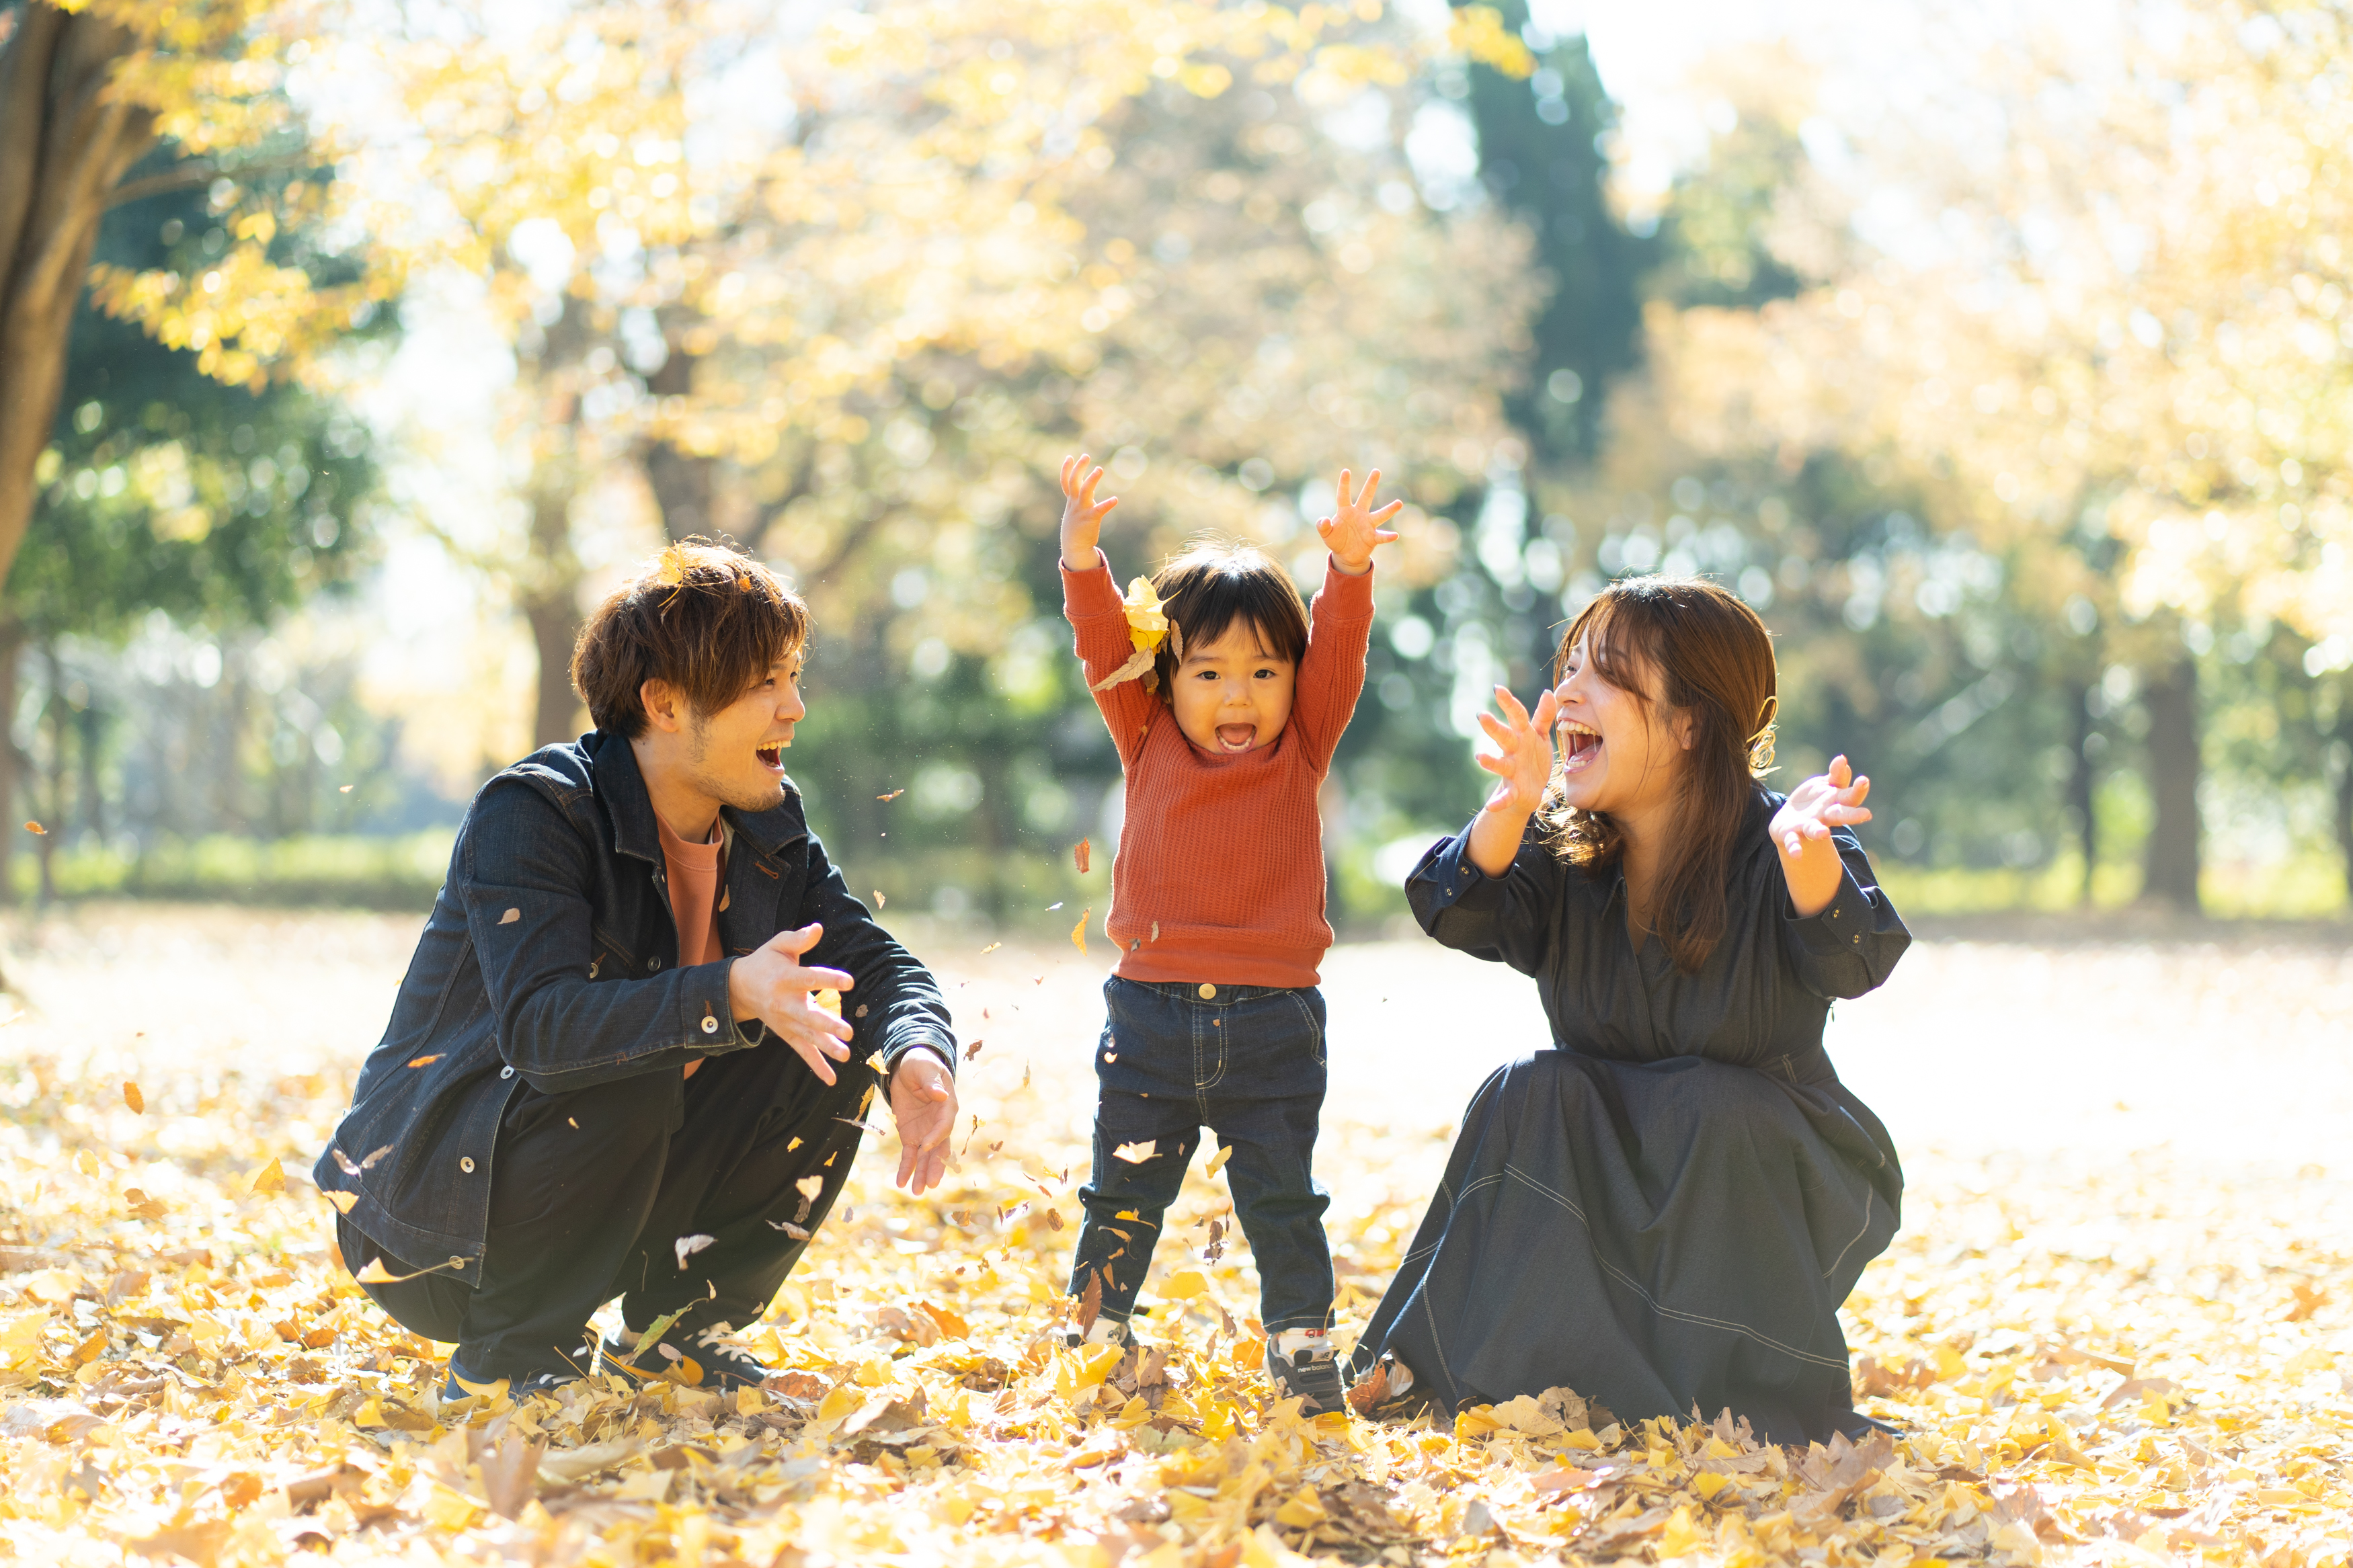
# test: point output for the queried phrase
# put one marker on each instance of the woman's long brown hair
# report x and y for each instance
(1712, 660)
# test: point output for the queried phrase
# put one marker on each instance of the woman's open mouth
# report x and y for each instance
(1236, 737)
(1581, 747)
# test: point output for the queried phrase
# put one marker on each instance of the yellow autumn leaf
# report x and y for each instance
(270, 1178)
(1217, 1161)
(1183, 1286)
(133, 1098)
(1148, 622)
(840, 1402)
(1078, 931)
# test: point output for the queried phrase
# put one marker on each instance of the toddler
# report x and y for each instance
(1226, 697)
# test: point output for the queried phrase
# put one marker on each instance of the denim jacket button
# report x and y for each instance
(652, 964)
(710, 1026)
(466, 1163)
(506, 1072)
(1208, 991)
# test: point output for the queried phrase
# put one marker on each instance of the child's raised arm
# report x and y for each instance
(1083, 515)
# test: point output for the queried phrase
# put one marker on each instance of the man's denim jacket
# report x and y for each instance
(551, 959)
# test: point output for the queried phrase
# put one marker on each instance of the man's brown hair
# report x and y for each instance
(708, 619)
(1211, 586)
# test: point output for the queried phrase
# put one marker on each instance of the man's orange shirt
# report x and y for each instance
(1219, 875)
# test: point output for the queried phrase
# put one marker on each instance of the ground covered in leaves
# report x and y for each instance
(2117, 1327)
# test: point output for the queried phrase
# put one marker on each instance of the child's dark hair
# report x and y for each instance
(1212, 585)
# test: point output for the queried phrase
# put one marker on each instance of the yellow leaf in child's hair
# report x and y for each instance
(1148, 622)
(1217, 1161)
(270, 1178)
(1078, 931)
(1137, 1154)
(1184, 1287)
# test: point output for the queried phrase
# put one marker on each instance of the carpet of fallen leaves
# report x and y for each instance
(2108, 1335)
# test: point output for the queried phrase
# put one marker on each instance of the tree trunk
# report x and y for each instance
(12, 761)
(63, 147)
(682, 483)
(550, 602)
(2080, 786)
(2169, 694)
(2340, 763)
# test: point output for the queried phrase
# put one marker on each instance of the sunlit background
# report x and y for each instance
(1997, 354)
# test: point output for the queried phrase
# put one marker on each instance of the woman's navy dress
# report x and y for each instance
(1666, 1208)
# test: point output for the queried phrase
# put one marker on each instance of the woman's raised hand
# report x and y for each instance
(1828, 800)
(1083, 515)
(1523, 769)
(1523, 765)
(1801, 832)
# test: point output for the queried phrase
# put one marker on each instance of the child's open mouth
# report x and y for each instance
(1236, 737)
(1581, 746)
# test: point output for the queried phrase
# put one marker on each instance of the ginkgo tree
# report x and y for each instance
(2125, 354)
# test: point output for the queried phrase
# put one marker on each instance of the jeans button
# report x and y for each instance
(1208, 991)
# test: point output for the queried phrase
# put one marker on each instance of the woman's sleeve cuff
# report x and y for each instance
(1454, 879)
(1837, 926)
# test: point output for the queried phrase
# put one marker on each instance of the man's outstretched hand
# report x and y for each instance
(771, 984)
(923, 1103)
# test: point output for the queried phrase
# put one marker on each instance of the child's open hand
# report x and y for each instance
(1083, 515)
(1353, 529)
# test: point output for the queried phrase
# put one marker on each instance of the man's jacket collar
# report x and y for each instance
(622, 788)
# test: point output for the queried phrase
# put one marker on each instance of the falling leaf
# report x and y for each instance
(35, 827)
(511, 1473)
(343, 1201)
(687, 1246)
(656, 1329)
(1217, 1161)
(1052, 907)
(343, 789)
(510, 918)
(133, 1098)
(992, 947)
(374, 1272)
(973, 1049)
(1090, 1301)
(1137, 1154)
(879, 900)
(424, 1061)
(270, 1178)
(796, 1232)
(893, 795)
(1081, 853)
(1078, 931)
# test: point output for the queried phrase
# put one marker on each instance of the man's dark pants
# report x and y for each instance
(1247, 1063)
(592, 1189)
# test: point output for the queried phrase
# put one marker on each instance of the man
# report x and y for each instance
(606, 1074)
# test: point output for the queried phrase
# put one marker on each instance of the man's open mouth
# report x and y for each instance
(1581, 747)
(1236, 737)
(772, 756)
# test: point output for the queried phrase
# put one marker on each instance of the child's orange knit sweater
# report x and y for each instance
(1219, 875)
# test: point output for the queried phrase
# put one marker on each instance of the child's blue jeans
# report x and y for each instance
(1247, 1062)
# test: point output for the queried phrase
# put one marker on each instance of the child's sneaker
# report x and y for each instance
(720, 1364)
(1300, 1361)
(1103, 1331)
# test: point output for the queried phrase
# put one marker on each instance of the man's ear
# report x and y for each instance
(665, 708)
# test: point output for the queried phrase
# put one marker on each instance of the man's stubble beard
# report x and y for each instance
(764, 797)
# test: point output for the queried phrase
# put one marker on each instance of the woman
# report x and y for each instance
(1666, 1208)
